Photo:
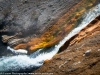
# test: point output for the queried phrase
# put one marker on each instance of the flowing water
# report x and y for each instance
(20, 61)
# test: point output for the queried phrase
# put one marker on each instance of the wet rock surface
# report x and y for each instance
(80, 58)
(21, 20)
(59, 29)
(45, 21)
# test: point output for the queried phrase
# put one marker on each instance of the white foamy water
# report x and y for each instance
(88, 17)
(19, 51)
(15, 63)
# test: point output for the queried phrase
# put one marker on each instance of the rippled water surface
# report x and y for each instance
(16, 61)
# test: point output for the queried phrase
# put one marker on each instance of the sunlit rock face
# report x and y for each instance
(26, 19)
(18, 31)
(31, 17)
(61, 28)
(23, 20)
(83, 51)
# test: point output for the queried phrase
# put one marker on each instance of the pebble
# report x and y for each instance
(76, 63)
(87, 53)
(98, 49)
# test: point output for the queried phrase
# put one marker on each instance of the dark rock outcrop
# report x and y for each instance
(31, 17)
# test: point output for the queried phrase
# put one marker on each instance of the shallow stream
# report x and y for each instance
(20, 61)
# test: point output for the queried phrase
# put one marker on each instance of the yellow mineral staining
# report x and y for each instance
(58, 31)
(91, 3)
(40, 45)
(80, 12)
(47, 42)
(46, 61)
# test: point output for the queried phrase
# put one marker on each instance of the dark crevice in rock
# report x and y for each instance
(98, 17)
(93, 64)
(66, 44)
(94, 21)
